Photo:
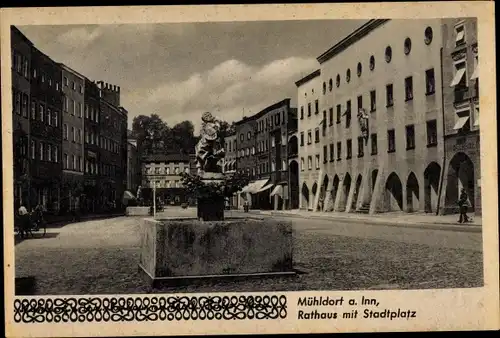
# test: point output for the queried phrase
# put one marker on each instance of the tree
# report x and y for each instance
(151, 133)
(183, 137)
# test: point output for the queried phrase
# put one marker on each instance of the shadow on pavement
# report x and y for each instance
(18, 239)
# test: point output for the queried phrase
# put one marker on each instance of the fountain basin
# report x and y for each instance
(188, 248)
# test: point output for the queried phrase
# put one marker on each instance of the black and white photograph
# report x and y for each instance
(246, 156)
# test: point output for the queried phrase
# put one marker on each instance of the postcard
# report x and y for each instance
(305, 168)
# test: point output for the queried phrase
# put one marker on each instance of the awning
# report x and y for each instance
(266, 187)
(475, 74)
(247, 188)
(278, 190)
(461, 122)
(257, 185)
(128, 195)
(458, 77)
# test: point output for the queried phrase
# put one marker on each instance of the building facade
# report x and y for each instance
(163, 173)
(21, 98)
(461, 119)
(92, 169)
(112, 142)
(308, 122)
(73, 85)
(293, 160)
(46, 131)
(378, 133)
(246, 161)
(272, 155)
(229, 164)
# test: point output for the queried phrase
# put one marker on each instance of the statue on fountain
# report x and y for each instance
(209, 150)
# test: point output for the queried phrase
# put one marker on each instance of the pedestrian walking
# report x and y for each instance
(24, 219)
(462, 204)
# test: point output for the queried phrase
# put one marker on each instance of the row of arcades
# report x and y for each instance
(383, 190)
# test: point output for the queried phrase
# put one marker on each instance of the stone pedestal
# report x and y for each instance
(211, 209)
(187, 249)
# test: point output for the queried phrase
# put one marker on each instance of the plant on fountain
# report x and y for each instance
(227, 187)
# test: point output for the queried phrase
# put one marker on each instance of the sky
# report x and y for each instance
(180, 70)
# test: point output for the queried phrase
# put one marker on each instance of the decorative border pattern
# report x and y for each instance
(143, 309)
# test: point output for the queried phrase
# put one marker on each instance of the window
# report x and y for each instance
(273, 166)
(302, 164)
(332, 157)
(79, 110)
(374, 144)
(167, 170)
(75, 163)
(331, 117)
(73, 86)
(66, 104)
(428, 35)
(309, 137)
(339, 113)
(359, 69)
(317, 161)
(348, 114)
(330, 84)
(324, 88)
(81, 89)
(248, 151)
(388, 54)
(476, 115)
(309, 109)
(33, 110)
(431, 133)
(253, 150)
(48, 117)
(407, 46)
(325, 154)
(66, 161)
(459, 35)
(316, 107)
(55, 118)
(301, 138)
(25, 105)
(410, 137)
(460, 80)
(17, 103)
(65, 131)
(242, 137)
(339, 151)
(33, 149)
(25, 68)
(49, 153)
(80, 163)
(302, 112)
(65, 81)
(337, 80)
(323, 122)
(348, 75)
(462, 121)
(361, 147)
(373, 101)
(157, 171)
(273, 142)
(73, 107)
(41, 113)
(79, 136)
(389, 95)
(41, 151)
(309, 162)
(349, 149)
(372, 62)
(283, 165)
(409, 88)
(316, 135)
(176, 170)
(391, 141)
(429, 82)
(249, 135)
(360, 102)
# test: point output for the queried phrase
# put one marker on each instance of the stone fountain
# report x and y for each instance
(210, 246)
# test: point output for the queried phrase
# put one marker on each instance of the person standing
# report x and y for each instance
(462, 204)
(24, 220)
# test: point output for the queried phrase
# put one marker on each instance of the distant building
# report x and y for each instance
(461, 118)
(163, 172)
(246, 161)
(73, 85)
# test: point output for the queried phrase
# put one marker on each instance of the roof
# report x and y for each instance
(167, 158)
(308, 77)
(355, 36)
(264, 111)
